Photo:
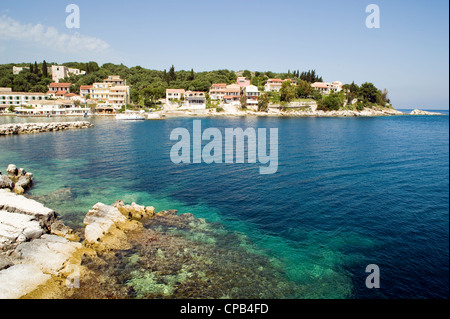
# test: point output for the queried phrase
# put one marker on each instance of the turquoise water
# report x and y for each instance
(349, 192)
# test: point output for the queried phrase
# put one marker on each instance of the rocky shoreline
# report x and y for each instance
(127, 251)
(306, 112)
(32, 128)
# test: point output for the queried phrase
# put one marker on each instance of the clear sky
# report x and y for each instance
(408, 54)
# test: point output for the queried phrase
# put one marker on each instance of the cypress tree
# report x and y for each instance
(44, 69)
(36, 69)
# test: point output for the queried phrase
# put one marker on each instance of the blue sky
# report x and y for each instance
(408, 54)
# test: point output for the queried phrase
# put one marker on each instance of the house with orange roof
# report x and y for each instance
(327, 88)
(273, 85)
(58, 89)
(217, 91)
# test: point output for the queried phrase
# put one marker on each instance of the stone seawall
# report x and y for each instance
(31, 128)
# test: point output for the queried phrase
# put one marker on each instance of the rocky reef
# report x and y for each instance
(17, 180)
(128, 251)
(32, 128)
(420, 112)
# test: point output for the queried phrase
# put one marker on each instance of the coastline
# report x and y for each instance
(42, 258)
(272, 112)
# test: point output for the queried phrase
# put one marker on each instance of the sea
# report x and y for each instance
(348, 193)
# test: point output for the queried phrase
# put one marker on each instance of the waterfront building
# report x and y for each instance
(252, 93)
(86, 90)
(232, 94)
(9, 98)
(217, 91)
(58, 89)
(174, 96)
(51, 107)
(327, 88)
(273, 85)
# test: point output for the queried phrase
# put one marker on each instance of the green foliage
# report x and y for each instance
(247, 74)
(263, 103)
(331, 102)
(304, 89)
(287, 92)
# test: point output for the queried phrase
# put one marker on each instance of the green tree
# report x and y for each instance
(172, 75)
(263, 102)
(331, 102)
(287, 92)
(36, 68)
(243, 100)
(44, 69)
(369, 92)
(247, 74)
(304, 89)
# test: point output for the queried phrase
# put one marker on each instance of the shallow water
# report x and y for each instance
(348, 192)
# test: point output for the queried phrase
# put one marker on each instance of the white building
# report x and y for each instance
(174, 96)
(217, 91)
(53, 107)
(20, 98)
(86, 90)
(18, 69)
(107, 94)
(60, 72)
(252, 93)
(327, 88)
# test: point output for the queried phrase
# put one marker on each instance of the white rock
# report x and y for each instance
(19, 280)
(100, 220)
(17, 228)
(19, 204)
(50, 253)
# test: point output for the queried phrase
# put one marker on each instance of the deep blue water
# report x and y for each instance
(349, 192)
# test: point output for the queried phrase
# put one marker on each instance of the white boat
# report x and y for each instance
(130, 116)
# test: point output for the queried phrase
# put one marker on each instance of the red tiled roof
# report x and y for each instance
(275, 80)
(175, 91)
(60, 85)
(86, 87)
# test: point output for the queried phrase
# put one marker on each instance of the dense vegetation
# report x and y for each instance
(148, 86)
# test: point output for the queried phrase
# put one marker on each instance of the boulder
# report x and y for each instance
(19, 280)
(101, 220)
(49, 252)
(6, 182)
(17, 228)
(14, 203)
(12, 170)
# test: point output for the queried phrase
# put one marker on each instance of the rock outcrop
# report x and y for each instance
(420, 112)
(17, 180)
(27, 128)
(33, 247)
